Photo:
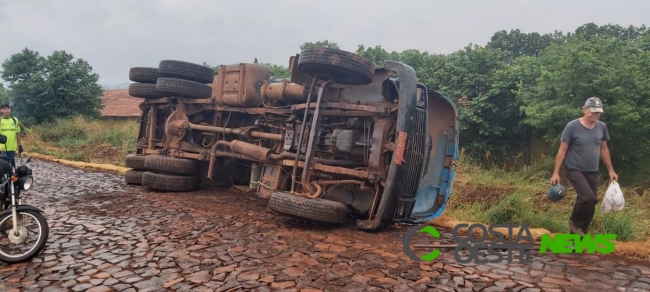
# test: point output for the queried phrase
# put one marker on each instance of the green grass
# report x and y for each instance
(495, 196)
(81, 139)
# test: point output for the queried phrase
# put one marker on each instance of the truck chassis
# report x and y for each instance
(338, 140)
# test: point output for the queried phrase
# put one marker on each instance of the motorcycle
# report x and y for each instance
(14, 216)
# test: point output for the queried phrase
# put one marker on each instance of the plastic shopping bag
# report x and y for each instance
(613, 199)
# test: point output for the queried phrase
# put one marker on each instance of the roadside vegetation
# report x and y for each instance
(520, 197)
(83, 139)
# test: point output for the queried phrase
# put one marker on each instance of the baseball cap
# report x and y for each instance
(594, 104)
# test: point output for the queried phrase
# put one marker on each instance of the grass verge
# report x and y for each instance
(496, 196)
(80, 139)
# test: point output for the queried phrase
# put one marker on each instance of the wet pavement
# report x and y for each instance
(106, 236)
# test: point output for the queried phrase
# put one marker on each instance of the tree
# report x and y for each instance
(5, 94)
(518, 44)
(613, 69)
(376, 54)
(58, 86)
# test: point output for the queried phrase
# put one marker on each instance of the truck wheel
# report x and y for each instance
(169, 182)
(135, 161)
(186, 70)
(344, 67)
(182, 88)
(170, 164)
(143, 74)
(317, 210)
(133, 177)
(144, 90)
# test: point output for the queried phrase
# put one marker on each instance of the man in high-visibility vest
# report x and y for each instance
(10, 127)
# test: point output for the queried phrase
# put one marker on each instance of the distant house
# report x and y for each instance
(118, 104)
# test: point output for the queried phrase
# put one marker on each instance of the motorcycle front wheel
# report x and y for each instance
(30, 239)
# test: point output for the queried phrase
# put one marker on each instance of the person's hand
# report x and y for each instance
(20, 149)
(555, 179)
(613, 176)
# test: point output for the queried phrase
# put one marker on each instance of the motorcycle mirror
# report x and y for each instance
(3, 139)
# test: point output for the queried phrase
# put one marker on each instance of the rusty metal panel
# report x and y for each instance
(400, 148)
(270, 180)
(240, 84)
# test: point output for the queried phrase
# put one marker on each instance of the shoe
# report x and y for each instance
(575, 229)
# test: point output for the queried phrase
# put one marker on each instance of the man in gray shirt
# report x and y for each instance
(583, 144)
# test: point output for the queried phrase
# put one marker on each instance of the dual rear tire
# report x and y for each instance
(171, 78)
(162, 173)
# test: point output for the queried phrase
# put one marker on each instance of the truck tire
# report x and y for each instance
(133, 177)
(343, 67)
(135, 161)
(316, 210)
(169, 182)
(182, 88)
(172, 165)
(186, 70)
(144, 90)
(143, 74)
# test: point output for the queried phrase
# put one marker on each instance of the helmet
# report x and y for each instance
(556, 192)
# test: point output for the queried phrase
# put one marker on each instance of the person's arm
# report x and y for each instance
(20, 143)
(605, 155)
(565, 140)
(559, 158)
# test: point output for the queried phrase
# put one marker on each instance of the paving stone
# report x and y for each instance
(108, 236)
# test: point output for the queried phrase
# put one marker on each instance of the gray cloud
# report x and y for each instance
(114, 35)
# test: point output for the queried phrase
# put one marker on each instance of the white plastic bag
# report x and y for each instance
(613, 199)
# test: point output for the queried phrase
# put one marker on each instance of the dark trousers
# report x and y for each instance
(585, 183)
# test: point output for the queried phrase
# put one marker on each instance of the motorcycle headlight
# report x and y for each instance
(27, 182)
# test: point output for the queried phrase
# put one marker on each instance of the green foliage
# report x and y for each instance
(64, 131)
(84, 139)
(5, 94)
(517, 44)
(43, 89)
(496, 196)
(278, 71)
(325, 44)
(613, 69)
(215, 68)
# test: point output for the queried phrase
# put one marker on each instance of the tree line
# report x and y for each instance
(515, 85)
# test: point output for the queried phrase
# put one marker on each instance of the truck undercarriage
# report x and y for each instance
(339, 139)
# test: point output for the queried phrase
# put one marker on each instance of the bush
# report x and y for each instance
(64, 131)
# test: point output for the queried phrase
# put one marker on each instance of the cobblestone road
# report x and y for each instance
(106, 236)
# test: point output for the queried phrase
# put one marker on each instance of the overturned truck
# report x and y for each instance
(339, 139)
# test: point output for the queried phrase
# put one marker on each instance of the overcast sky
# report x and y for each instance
(114, 35)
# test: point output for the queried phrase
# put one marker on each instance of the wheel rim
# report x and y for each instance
(6, 226)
